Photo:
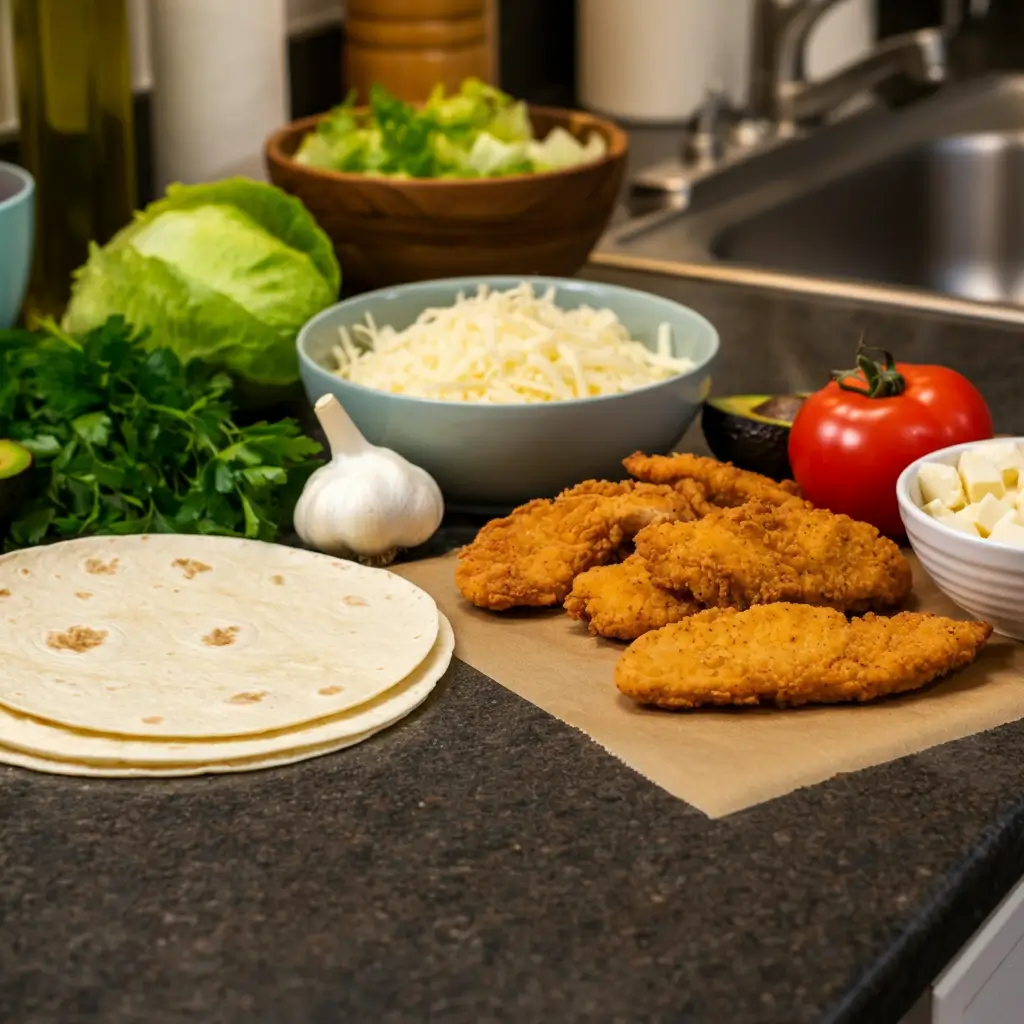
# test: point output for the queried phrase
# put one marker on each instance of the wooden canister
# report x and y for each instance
(409, 46)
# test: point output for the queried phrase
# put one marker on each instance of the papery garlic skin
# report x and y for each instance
(367, 502)
(368, 505)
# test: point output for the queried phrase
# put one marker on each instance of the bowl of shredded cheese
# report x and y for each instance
(508, 388)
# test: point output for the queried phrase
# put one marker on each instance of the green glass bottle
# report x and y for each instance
(73, 71)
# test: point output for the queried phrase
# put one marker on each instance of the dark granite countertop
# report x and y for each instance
(483, 862)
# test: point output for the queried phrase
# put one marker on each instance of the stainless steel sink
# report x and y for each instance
(923, 207)
(948, 218)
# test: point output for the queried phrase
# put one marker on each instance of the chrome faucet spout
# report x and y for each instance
(779, 91)
(919, 55)
(778, 38)
(802, 17)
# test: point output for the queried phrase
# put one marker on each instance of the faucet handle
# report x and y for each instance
(715, 101)
(707, 128)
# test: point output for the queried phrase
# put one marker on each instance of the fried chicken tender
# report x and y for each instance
(724, 484)
(790, 654)
(639, 504)
(758, 554)
(621, 602)
(530, 558)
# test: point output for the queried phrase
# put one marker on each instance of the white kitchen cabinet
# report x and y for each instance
(984, 984)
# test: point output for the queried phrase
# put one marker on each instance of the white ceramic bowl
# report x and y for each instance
(983, 577)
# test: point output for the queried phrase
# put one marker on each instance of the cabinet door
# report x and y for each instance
(985, 983)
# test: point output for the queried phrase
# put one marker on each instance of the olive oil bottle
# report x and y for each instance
(75, 105)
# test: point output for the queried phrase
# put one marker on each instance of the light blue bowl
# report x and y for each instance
(491, 457)
(17, 226)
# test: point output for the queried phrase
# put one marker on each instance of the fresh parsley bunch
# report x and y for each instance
(128, 440)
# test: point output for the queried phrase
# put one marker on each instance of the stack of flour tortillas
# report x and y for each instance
(171, 655)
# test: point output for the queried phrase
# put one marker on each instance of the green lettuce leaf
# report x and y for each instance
(491, 157)
(560, 149)
(226, 272)
(478, 132)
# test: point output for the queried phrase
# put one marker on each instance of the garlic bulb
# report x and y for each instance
(367, 502)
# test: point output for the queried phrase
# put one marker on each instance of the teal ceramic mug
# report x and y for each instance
(17, 227)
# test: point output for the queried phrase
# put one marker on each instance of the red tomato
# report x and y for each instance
(851, 440)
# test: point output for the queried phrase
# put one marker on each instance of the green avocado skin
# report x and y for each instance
(735, 436)
(15, 480)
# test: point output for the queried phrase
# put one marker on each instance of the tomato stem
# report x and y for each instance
(873, 378)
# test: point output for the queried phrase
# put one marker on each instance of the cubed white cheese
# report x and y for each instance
(1019, 501)
(968, 517)
(939, 482)
(1009, 530)
(989, 511)
(936, 508)
(959, 522)
(1007, 458)
(980, 476)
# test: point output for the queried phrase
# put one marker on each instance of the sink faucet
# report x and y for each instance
(779, 92)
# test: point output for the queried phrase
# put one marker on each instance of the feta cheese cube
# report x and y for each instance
(1009, 530)
(980, 476)
(959, 522)
(936, 508)
(939, 482)
(989, 511)
(968, 517)
(1008, 459)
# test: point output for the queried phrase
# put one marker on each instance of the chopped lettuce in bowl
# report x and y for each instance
(479, 132)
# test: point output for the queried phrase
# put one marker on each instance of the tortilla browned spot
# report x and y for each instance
(98, 567)
(250, 697)
(77, 639)
(83, 594)
(191, 567)
(277, 580)
(329, 691)
(25, 572)
(356, 602)
(221, 636)
(5, 592)
(153, 719)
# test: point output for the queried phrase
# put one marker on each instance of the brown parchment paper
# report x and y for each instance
(722, 760)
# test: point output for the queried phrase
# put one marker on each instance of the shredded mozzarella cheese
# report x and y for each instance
(505, 347)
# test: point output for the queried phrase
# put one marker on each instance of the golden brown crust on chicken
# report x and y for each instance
(530, 558)
(758, 554)
(621, 602)
(639, 504)
(724, 484)
(790, 654)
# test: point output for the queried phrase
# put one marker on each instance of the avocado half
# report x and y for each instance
(752, 431)
(15, 479)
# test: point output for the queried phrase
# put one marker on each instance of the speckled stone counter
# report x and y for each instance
(482, 862)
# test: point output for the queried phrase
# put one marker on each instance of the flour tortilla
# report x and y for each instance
(173, 637)
(34, 738)
(18, 759)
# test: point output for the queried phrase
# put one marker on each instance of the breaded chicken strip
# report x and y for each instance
(758, 554)
(789, 654)
(621, 602)
(724, 484)
(639, 504)
(530, 558)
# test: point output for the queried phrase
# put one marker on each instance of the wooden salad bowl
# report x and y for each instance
(388, 231)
